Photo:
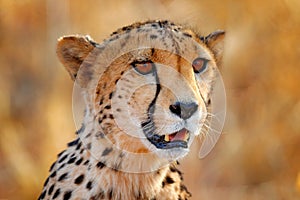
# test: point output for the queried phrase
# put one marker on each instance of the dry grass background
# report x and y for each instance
(257, 157)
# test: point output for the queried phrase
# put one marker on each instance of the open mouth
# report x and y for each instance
(178, 139)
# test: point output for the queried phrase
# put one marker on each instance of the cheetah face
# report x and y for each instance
(148, 85)
(161, 100)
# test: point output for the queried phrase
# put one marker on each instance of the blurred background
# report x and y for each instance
(258, 155)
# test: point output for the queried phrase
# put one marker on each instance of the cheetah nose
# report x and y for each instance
(183, 110)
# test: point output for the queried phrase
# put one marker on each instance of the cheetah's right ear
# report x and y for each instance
(215, 42)
(72, 50)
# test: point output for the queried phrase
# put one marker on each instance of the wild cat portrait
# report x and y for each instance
(147, 90)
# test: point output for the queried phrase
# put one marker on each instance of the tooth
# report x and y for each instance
(167, 138)
(186, 136)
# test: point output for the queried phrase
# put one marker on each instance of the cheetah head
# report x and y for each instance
(148, 85)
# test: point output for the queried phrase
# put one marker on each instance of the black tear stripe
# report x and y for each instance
(151, 107)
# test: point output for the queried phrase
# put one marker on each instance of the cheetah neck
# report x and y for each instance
(109, 170)
(117, 174)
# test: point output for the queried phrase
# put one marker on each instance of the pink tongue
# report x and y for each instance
(178, 135)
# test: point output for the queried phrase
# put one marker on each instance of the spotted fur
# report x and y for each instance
(104, 162)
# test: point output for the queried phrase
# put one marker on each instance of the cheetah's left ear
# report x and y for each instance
(73, 50)
(215, 42)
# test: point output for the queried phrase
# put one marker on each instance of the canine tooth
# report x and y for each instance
(186, 136)
(167, 138)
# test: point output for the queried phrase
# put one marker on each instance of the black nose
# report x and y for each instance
(184, 110)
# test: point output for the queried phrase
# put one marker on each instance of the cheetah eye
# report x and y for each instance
(199, 65)
(143, 67)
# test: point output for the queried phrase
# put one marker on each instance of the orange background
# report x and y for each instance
(257, 157)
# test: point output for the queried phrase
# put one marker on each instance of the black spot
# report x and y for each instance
(73, 143)
(51, 189)
(61, 166)
(71, 160)
(187, 34)
(163, 184)
(61, 153)
(56, 194)
(78, 146)
(154, 25)
(88, 135)
(88, 146)
(160, 24)
(42, 196)
(46, 182)
(100, 134)
(63, 176)
(89, 185)
(152, 51)
(118, 110)
(107, 107)
(111, 95)
(79, 161)
(101, 101)
(100, 120)
(110, 193)
(81, 129)
(169, 180)
(122, 72)
(183, 188)
(52, 166)
(79, 179)
(106, 151)
(116, 81)
(202, 38)
(67, 195)
(53, 174)
(111, 116)
(208, 102)
(86, 162)
(153, 37)
(62, 159)
(100, 164)
(174, 169)
(138, 196)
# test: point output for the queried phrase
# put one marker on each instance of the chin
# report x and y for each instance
(172, 154)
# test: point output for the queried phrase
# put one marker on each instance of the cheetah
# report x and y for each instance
(147, 92)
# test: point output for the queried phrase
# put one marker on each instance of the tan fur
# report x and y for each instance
(112, 158)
